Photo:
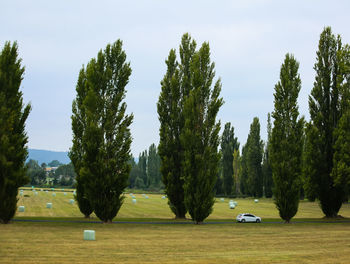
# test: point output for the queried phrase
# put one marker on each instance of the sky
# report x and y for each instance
(248, 41)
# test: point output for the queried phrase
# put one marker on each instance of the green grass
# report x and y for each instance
(62, 242)
(136, 243)
(157, 208)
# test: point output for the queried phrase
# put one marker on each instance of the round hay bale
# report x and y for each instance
(49, 205)
(54, 194)
(65, 194)
(134, 201)
(232, 206)
(256, 201)
(21, 208)
(222, 200)
(71, 201)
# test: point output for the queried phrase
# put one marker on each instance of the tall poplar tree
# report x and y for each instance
(229, 143)
(287, 140)
(175, 88)
(325, 113)
(200, 137)
(266, 165)
(254, 153)
(106, 138)
(13, 138)
(237, 168)
(153, 167)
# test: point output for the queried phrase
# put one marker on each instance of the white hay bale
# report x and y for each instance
(71, 201)
(46, 191)
(163, 197)
(41, 190)
(65, 194)
(21, 208)
(89, 234)
(146, 197)
(232, 206)
(256, 201)
(53, 194)
(134, 201)
(222, 200)
(49, 205)
(35, 193)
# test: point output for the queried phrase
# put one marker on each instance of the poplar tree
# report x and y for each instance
(287, 140)
(13, 138)
(266, 165)
(200, 137)
(175, 88)
(153, 167)
(106, 138)
(228, 145)
(325, 113)
(254, 153)
(237, 168)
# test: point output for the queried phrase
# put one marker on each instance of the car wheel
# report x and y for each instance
(243, 220)
(258, 220)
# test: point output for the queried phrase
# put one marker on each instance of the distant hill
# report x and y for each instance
(48, 156)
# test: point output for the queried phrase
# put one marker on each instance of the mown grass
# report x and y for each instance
(157, 208)
(136, 243)
(62, 242)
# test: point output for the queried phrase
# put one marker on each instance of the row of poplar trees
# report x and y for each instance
(315, 152)
(189, 132)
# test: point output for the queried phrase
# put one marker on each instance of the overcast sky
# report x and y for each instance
(248, 41)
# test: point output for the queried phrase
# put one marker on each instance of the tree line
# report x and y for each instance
(63, 175)
(145, 174)
(299, 157)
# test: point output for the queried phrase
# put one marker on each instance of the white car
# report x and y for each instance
(245, 218)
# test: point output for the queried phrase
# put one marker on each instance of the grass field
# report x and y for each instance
(156, 207)
(136, 243)
(62, 242)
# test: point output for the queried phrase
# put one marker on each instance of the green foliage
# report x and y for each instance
(266, 165)
(175, 87)
(243, 176)
(237, 168)
(35, 173)
(200, 137)
(228, 145)
(54, 163)
(142, 165)
(287, 140)
(153, 168)
(341, 158)
(105, 138)
(252, 161)
(65, 174)
(325, 113)
(13, 138)
(77, 152)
